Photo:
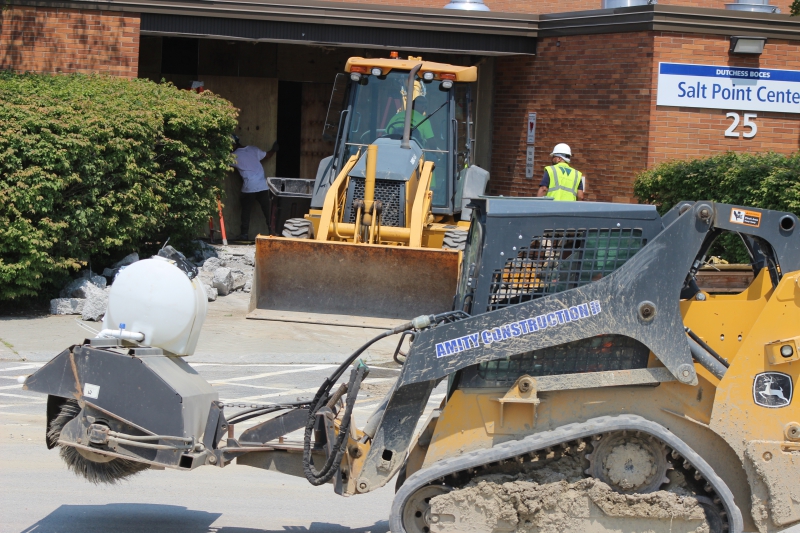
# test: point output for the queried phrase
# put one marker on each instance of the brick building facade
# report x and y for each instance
(591, 75)
(599, 96)
(42, 39)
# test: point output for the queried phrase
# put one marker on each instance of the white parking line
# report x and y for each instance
(17, 386)
(269, 374)
(289, 392)
(5, 394)
(249, 365)
(223, 384)
(29, 366)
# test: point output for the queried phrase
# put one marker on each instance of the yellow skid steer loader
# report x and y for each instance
(585, 383)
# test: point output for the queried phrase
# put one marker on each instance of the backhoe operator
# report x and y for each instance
(419, 108)
(561, 181)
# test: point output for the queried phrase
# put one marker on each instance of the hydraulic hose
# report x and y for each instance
(705, 359)
(724, 362)
(331, 466)
(322, 397)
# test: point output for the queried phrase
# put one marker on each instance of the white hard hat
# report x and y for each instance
(562, 150)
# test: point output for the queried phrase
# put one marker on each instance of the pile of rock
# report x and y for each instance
(112, 272)
(86, 296)
(223, 270)
(230, 271)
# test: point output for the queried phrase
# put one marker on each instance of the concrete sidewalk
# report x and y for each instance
(227, 337)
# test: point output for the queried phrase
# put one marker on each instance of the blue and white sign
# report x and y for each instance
(733, 88)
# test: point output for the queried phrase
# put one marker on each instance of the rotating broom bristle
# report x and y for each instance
(102, 471)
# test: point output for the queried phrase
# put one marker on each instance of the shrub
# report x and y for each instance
(767, 181)
(794, 9)
(92, 166)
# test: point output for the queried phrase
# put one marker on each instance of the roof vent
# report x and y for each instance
(757, 6)
(612, 4)
(467, 5)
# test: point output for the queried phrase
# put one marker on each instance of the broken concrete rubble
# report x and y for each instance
(203, 252)
(239, 279)
(127, 260)
(236, 261)
(211, 293)
(80, 287)
(212, 264)
(95, 305)
(119, 265)
(239, 260)
(223, 281)
(66, 306)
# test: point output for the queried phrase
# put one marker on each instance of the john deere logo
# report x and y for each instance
(772, 389)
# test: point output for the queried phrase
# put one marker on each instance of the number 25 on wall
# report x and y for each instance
(747, 124)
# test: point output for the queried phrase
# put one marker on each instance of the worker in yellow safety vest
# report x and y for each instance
(561, 181)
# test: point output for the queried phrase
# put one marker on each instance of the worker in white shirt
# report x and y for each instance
(254, 183)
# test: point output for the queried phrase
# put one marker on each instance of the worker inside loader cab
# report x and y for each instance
(419, 110)
(561, 181)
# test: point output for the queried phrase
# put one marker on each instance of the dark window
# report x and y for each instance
(290, 106)
(179, 55)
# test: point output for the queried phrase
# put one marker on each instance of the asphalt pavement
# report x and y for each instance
(247, 362)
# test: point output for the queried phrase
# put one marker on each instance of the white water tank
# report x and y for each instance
(156, 298)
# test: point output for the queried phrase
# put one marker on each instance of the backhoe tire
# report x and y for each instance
(455, 239)
(297, 228)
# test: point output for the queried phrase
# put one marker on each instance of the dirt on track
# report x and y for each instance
(556, 498)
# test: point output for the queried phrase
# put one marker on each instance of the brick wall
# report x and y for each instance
(684, 133)
(592, 92)
(39, 39)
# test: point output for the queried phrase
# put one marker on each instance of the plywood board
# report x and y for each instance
(312, 147)
(257, 101)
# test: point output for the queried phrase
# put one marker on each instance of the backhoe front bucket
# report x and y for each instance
(299, 275)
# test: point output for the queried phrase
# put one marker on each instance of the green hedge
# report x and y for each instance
(768, 181)
(795, 8)
(92, 167)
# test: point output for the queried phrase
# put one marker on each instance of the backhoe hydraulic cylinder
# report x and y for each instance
(369, 183)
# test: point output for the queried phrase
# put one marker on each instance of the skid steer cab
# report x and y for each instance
(589, 382)
(388, 210)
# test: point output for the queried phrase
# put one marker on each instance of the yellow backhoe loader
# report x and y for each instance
(383, 235)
